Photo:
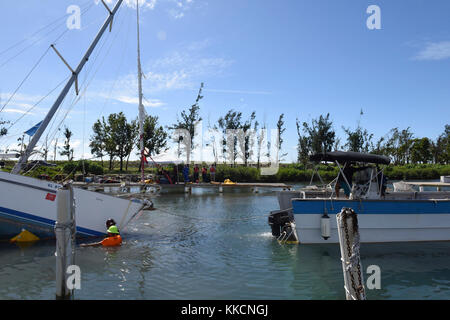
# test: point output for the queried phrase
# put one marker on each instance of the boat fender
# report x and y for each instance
(325, 226)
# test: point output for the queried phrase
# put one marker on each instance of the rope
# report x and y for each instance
(43, 28)
(26, 77)
(36, 41)
(37, 103)
(213, 220)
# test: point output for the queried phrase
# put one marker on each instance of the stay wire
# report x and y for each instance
(33, 68)
(38, 40)
(26, 77)
(83, 91)
(37, 103)
(39, 30)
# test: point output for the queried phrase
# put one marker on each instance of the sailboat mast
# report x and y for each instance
(23, 159)
(141, 106)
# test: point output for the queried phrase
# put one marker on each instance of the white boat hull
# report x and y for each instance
(30, 204)
(376, 222)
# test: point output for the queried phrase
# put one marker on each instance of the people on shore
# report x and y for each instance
(212, 172)
(196, 173)
(204, 174)
(186, 173)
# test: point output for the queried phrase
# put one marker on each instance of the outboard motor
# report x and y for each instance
(283, 225)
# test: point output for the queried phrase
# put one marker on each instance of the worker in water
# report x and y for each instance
(110, 222)
(112, 240)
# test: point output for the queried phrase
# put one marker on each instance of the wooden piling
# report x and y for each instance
(348, 231)
(65, 231)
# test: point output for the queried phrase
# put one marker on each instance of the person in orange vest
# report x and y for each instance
(112, 240)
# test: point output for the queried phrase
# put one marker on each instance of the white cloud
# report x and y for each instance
(13, 110)
(183, 69)
(181, 6)
(135, 101)
(434, 51)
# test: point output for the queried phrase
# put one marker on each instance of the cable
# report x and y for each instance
(37, 103)
(26, 77)
(41, 29)
(34, 67)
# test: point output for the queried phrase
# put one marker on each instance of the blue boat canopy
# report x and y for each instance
(349, 156)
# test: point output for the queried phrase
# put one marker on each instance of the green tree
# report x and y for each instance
(122, 135)
(358, 140)
(320, 134)
(98, 140)
(421, 150)
(398, 145)
(3, 130)
(155, 137)
(246, 140)
(303, 145)
(66, 149)
(188, 121)
(231, 121)
(281, 129)
(441, 148)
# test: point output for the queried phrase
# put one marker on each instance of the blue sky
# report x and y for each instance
(300, 58)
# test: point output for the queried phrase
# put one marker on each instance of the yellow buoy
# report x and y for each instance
(24, 236)
(228, 181)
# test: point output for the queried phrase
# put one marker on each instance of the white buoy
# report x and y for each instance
(65, 239)
(325, 226)
(220, 189)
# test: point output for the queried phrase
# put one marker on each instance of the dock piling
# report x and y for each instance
(348, 231)
(65, 231)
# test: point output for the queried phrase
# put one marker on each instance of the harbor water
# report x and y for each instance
(211, 246)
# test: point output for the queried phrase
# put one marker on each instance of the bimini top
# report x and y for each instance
(348, 156)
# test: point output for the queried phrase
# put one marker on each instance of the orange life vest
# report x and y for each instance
(112, 241)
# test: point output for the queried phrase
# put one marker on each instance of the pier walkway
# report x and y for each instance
(181, 187)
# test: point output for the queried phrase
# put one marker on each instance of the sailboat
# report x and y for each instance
(29, 203)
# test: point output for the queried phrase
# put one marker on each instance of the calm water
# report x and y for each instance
(210, 246)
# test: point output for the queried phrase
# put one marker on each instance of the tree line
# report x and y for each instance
(116, 137)
(401, 145)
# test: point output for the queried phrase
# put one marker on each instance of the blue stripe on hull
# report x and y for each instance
(12, 222)
(320, 206)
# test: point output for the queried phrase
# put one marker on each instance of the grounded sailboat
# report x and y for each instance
(28, 203)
